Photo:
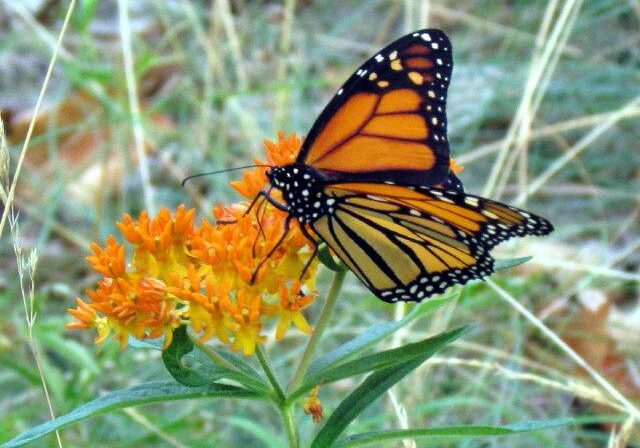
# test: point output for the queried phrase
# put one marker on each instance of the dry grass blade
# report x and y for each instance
(134, 105)
(286, 32)
(4, 164)
(144, 422)
(599, 379)
(576, 149)
(542, 65)
(550, 130)
(43, 89)
(601, 271)
(232, 34)
(575, 388)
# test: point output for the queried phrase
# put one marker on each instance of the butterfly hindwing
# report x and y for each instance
(408, 243)
(388, 121)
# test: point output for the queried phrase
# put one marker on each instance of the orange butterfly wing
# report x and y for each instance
(388, 122)
(409, 243)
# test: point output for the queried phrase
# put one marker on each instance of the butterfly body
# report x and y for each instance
(372, 180)
(302, 189)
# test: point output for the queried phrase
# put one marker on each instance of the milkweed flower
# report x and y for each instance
(177, 271)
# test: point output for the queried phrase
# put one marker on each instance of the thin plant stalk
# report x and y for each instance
(143, 421)
(26, 268)
(263, 359)
(327, 309)
(289, 423)
(576, 149)
(286, 409)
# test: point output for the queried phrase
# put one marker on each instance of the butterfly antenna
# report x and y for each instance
(208, 173)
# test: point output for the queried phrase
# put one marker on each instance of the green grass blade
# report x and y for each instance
(151, 392)
(371, 388)
(510, 263)
(358, 440)
(326, 259)
(375, 334)
(376, 361)
(258, 431)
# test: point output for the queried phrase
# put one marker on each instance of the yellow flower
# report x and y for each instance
(454, 167)
(108, 261)
(246, 314)
(282, 152)
(203, 275)
(160, 242)
(292, 302)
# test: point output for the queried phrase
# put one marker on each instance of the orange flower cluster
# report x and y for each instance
(200, 275)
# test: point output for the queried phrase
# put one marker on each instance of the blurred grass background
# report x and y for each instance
(543, 113)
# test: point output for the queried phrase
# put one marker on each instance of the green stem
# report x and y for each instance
(286, 411)
(289, 423)
(327, 309)
(212, 354)
(268, 370)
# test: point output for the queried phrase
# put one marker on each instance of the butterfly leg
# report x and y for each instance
(287, 222)
(255, 201)
(262, 195)
(266, 194)
(259, 220)
(313, 241)
(266, 197)
(276, 204)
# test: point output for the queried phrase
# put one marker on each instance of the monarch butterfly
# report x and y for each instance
(372, 180)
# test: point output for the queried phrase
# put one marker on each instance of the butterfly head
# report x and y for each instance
(302, 190)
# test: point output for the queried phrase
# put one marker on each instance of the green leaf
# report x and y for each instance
(194, 368)
(375, 334)
(145, 344)
(70, 350)
(377, 361)
(82, 74)
(180, 346)
(367, 438)
(239, 363)
(151, 392)
(239, 371)
(156, 344)
(258, 431)
(372, 387)
(9, 361)
(84, 14)
(510, 263)
(326, 259)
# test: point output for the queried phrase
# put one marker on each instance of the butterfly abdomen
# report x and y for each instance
(302, 189)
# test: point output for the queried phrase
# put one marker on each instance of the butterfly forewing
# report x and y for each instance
(388, 121)
(408, 243)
